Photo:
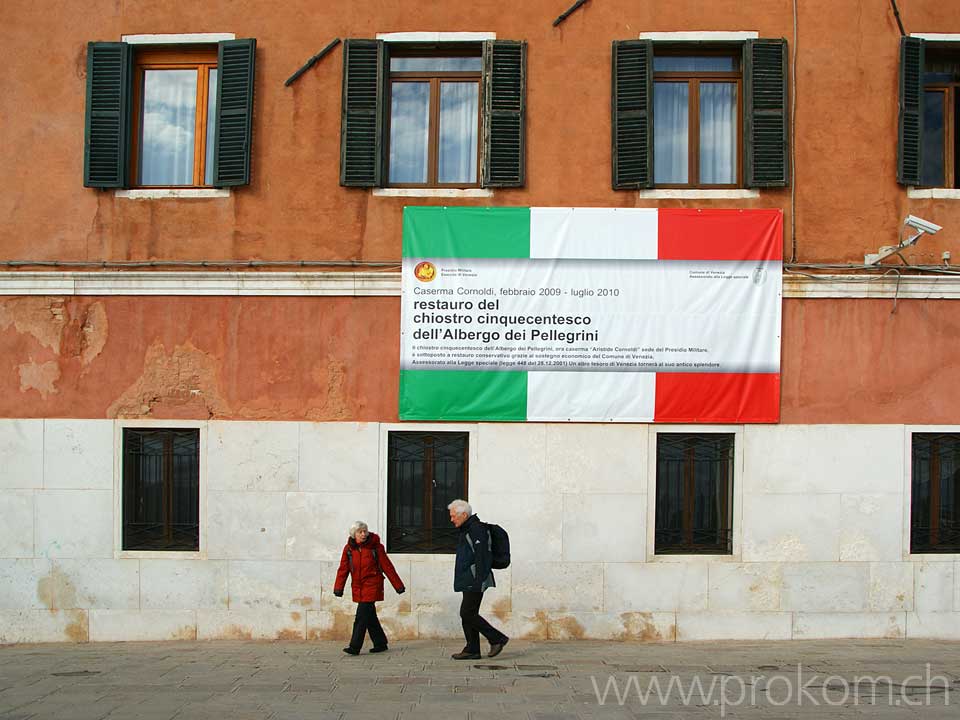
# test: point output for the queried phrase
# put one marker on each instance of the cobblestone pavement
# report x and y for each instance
(567, 680)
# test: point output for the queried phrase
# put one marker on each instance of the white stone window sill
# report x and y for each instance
(165, 193)
(933, 193)
(680, 194)
(159, 555)
(433, 192)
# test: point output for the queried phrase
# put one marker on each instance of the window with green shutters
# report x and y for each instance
(444, 115)
(699, 115)
(170, 116)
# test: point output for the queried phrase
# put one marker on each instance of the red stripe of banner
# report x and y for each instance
(717, 397)
(690, 234)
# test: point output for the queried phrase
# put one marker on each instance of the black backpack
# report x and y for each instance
(499, 547)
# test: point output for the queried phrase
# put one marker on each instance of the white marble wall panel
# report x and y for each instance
(16, 528)
(935, 586)
(21, 453)
(745, 586)
(317, 523)
(78, 454)
(597, 458)
(868, 527)
(734, 625)
(31, 626)
(826, 587)
(556, 586)
(74, 523)
(274, 585)
(19, 580)
(654, 587)
(431, 585)
(534, 521)
(92, 583)
(511, 458)
(790, 527)
(805, 459)
(251, 624)
(245, 525)
(891, 586)
(445, 624)
(183, 585)
(142, 625)
(611, 528)
(253, 456)
(339, 457)
(933, 625)
(821, 626)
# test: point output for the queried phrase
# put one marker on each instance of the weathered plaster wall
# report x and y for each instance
(820, 542)
(847, 200)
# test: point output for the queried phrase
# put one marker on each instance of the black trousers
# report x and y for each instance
(474, 626)
(366, 621)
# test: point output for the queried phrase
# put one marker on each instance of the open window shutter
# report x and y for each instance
(766, 127)
(362, 112)
(909, 156)
(632, 114)
(504, 113)
(107, 124)
(231, 159)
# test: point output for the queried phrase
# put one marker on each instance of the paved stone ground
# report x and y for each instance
(532, 680)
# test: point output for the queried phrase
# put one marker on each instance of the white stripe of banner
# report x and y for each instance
(594, 233)
(595, 396)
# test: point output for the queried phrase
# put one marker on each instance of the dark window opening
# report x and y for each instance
(425, 473)
(941, 80)
(694, 513)
(161, 489)
(935, 500)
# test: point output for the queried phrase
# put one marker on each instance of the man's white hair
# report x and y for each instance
(358, 525)
(460, 507)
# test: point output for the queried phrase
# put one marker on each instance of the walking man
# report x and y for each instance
(472, 575)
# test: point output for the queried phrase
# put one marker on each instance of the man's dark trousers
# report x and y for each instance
(367, 620)
(474, 626)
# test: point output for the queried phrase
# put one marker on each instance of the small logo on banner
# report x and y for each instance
(425, 271)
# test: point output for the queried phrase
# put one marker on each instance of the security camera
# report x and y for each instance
(922, 225)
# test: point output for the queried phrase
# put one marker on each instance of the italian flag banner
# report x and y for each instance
(591, 315)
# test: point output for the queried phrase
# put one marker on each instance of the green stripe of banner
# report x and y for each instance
(466, 232)
(463, 395)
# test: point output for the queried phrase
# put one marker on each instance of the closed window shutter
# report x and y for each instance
(504, 113)
(231, 160)
(107, 123)
(766, 127)
(632, 114)
(361, 119)
(909, 156)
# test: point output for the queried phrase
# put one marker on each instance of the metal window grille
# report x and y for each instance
(426, 472)
(935, 502)
(161, 489)
(694, 494)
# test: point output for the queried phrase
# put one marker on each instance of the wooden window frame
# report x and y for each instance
(951, 93)
(434, 78)
(693, 80)
(201, 59)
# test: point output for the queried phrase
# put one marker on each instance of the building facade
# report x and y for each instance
(200, 316)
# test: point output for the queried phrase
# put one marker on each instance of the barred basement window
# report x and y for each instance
(426, 472)
(161, 489)
(694, 513)
(935, 493)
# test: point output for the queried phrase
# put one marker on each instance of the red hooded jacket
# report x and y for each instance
(365, 564)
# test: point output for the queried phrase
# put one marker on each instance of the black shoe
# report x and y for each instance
(376, 649)
(464, 655)
(496, 648)
(350, 651)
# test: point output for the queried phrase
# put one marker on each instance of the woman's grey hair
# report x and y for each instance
(358, 525)
(460, 507)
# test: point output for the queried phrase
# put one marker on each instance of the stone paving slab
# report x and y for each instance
(576, 680)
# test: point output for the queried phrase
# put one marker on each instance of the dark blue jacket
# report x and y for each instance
(472, 572)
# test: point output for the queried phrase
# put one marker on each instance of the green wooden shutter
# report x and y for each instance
(632, 114)
(504, 113)
(231, 159)
(106, 143)
(766, 126)
(909, 155)
(362, 113)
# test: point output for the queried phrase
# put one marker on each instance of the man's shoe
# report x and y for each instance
(378, 649)
(350, 651)
(496, 648)
(466, 656)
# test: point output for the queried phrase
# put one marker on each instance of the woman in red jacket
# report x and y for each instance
(365, 560)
